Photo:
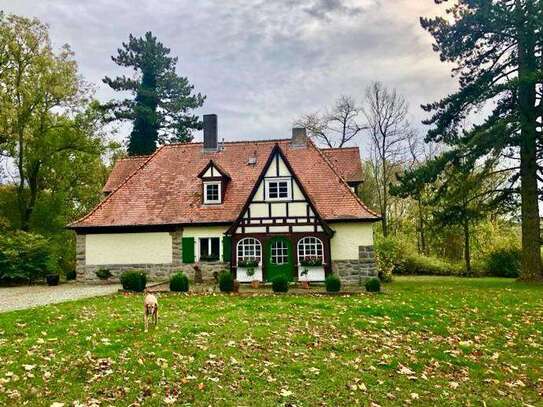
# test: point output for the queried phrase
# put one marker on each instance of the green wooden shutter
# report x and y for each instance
(188, 249)
(226, 248)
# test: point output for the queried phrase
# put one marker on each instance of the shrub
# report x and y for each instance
(179, 282)
(422, 265)
(24, 256)
(504, 262)
(333, 283)
(226, 282)
(280, 284)
(134, 280)
(389, 257)
(71, 275)
(103, 274)
(373, 285)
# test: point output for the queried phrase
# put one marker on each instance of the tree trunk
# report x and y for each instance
(467, 251)
(531, 257)
(421, 228)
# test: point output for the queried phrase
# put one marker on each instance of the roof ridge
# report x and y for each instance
(103, 201)
(272, 141)
(362, 204)
(133, 157)
(340, 148)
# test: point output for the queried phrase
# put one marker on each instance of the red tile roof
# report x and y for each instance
(166, 190)
(346, 161)
(122, 169)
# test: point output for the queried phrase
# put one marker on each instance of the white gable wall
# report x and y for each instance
(263, 211)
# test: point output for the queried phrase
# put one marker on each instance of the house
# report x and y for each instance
(259, 208)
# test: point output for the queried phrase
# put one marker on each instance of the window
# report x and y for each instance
(210, 248)
(309, 247)
(249, 248)
(279, 252)
(212, 192)
(278, 189)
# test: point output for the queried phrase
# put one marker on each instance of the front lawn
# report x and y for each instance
(438, 341)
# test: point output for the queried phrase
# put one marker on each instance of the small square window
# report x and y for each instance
(212, 192)
(278, 189)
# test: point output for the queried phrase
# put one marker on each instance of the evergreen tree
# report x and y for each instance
(497, 49)
(161, 109)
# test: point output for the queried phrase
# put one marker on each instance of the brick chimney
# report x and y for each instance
(299, 137)
(210, 133)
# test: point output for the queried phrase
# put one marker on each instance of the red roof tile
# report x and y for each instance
(122, 169)
(166, 189)
(346, 161)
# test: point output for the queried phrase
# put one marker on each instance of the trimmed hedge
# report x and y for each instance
(333, 283)
(280, 284)
(373, 285)
(226, 282)
(179, 282)
(134, 280)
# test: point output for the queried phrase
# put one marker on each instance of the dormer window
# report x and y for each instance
(214, 182)
(212, 192)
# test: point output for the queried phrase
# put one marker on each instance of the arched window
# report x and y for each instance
(310, 247)
(249, 248)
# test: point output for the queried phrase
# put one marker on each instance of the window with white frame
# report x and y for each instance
(310, 247)
(279, 252)
(212, 192)
(210, 248)
(249, 248)
(278, 189)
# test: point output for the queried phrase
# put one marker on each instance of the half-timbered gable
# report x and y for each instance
(279, 203)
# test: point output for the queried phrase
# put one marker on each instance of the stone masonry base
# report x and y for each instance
(356, 271)
(155, 272)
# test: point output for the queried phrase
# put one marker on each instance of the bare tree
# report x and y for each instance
(386, 115)
(336, 126)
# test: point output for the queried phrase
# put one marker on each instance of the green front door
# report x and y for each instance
(279, 259)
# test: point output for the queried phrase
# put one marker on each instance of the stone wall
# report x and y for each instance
(356, 271)
(155, 272)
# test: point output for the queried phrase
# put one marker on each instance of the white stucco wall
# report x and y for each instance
(128, 248)
(348, 237)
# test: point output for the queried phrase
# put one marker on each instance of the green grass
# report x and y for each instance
(425, 341)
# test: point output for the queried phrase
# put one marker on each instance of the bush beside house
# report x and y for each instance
(134, 280)
(179, 282)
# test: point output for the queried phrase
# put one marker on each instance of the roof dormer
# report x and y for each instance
(214, 181)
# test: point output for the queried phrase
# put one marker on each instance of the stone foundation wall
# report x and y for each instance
(155, 272)
(356, 271)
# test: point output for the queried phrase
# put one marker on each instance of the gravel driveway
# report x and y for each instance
(13, 298)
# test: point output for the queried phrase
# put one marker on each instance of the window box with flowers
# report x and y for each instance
(311, 268)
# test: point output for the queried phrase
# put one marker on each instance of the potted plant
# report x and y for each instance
(52, 279)
(103, 274)
(303, 278)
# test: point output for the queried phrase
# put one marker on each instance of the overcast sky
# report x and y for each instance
(261, 63)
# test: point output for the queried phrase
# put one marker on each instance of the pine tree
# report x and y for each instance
(497, 49)
(161, 109)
